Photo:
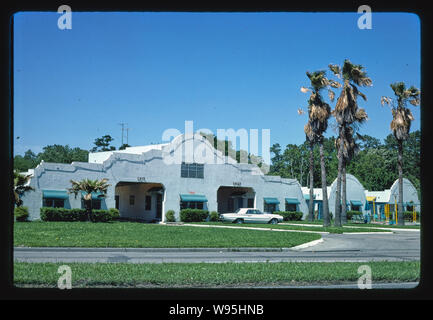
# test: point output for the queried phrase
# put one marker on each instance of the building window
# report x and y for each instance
(148, 203)
(131, 200)
(291, 207)
(356, 208)
(191, 205)
(192, 170)
(116, 199)
(270, 207)
(54, 203)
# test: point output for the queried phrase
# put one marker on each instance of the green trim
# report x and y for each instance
(271, 200)
(193, 198)
(95, 195)
(55, 194)
(294, 200)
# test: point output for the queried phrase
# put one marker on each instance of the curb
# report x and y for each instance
(308, 244)
(63, 249)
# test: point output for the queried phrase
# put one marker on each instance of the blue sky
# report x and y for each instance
(153, 71)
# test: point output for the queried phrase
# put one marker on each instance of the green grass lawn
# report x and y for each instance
(360, 225)
(211, 274)
(140, 235)
(291, 227)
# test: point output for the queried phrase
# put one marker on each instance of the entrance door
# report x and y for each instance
(158, 206)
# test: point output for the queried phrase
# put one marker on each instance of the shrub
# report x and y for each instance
(351, 213)
(21, 213)
(193, 215)
(290, 215)
(169, 216)
(115, 214)
(62, 214)
(214, 216)
(408, 215)
(101, 216)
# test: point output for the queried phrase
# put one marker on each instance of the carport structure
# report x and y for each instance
(230, 198)
(140, 200)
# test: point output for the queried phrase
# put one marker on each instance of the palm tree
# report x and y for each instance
(21, 186)
(350, 148)
(318, 115)
(89, 187)
(400, 127)
(347, 113)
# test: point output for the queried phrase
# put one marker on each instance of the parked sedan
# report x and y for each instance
(250, 215)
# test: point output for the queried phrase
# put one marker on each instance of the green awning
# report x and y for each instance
(95, 195)
(292, 201)
(307, 197)
(55, 194)
(271, 200)
(356, 203)
(193, 198)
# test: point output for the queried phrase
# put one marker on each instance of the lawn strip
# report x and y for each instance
(212, 274)
(293, 227)
(140, 235)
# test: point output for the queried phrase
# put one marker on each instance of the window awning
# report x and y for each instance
(55, 194)
(356, 203)
(271, 200)
(371, 198)
(95, 195)
(292, 201)
(193, 198)
(307, 196)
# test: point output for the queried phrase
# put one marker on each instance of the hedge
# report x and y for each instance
(62, 214)
(290, 215)
(21, 213)
(193, 215)
(214, 216)
(408, 215)
(351, 213)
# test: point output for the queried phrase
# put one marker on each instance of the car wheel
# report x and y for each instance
(273, 221)
(239, 221)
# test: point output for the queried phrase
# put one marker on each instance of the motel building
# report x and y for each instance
(147, 181)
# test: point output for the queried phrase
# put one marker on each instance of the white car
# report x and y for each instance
(250, 215)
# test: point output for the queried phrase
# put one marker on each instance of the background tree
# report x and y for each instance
(103, 144)
(347, 113)
(400, 127)
(124, 146)
(20, 187)
(89, 187)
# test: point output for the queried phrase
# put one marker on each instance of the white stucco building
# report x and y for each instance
(147, 181)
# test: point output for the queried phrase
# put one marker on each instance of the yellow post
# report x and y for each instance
(387, 213)
(414, 213)
(395, 207)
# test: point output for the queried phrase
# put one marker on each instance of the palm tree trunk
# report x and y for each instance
(343, 195)
(311, 201)
(325, 205)
(400, 184)
(337, 221)
(89, 210)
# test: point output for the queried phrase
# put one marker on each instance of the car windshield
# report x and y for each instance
(237, 211)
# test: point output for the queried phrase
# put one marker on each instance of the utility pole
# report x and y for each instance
(127, 130)
(123, 128)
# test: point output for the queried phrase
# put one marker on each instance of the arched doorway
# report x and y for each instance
(142, 201)
(230, 199)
